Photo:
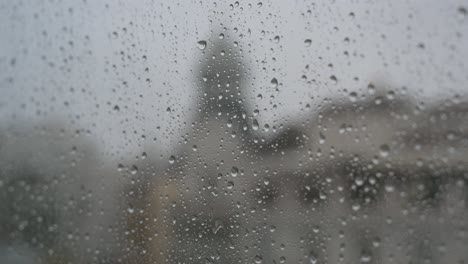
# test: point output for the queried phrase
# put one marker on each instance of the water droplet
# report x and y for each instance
(221, 36)
(277, 39)
(378, 100)
(356, 207)
(321, 138)
(313, 258)
(389, 188)
(365, 257)
(218, 225)
(172, 159)
(371, 88)
(462, 12)
(274, 83)
(134, 169)
(308, 42)
(230, 184)
(258, 259)
(255, 124)
(376, 242)
(384, 150)
(359, 181)
(201, 44)
(234, 171)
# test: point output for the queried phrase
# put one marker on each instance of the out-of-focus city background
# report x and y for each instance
(233, 132)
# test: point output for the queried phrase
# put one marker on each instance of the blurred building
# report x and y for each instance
(370, 178)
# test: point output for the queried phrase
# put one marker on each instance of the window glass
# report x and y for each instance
(233, 131)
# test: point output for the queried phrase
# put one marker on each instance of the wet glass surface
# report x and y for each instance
(233, 132)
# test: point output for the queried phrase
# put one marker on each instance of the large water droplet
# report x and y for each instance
(218, 225)
(234, 171)
(255, 124)
(365, 257)
(134, 169)
(172, 159)
(313, 258)
(277, 39)
(384, 150)
(201, 44)
(274, 83)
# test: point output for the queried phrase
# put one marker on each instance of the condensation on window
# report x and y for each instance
(233, 132)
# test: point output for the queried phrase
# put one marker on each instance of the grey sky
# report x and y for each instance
(418, 44)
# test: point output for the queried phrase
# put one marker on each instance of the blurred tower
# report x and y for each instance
(221, 86)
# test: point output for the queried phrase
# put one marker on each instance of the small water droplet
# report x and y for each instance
(258, 259)
(308, 42)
